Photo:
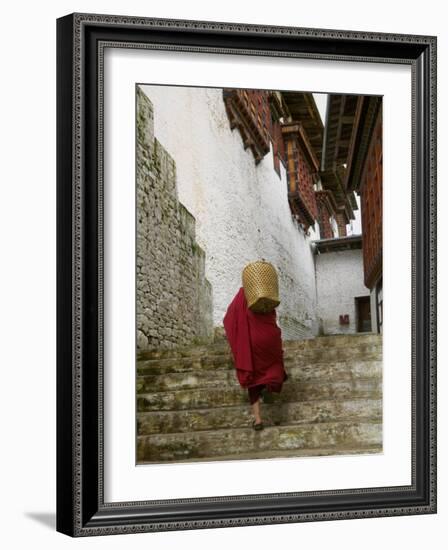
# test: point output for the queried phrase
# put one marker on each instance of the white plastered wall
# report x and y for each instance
(241, 209)
(339, 279)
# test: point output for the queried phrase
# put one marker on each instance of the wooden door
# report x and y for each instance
(363, 314)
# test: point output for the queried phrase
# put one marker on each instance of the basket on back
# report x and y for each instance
(260, 284)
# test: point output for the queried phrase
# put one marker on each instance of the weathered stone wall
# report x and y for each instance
(339, 279)
(241, 208)
(174, 299)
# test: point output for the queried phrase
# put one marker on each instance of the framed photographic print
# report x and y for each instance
(246, 274)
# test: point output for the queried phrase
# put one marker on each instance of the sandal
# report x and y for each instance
(257, 426)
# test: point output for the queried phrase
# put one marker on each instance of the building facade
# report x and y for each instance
(247, 176)
(353, 146)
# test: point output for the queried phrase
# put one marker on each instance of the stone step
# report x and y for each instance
(345, 450)
(207, 444)
(337, 340)
(240, 416)
(292, 392)
(226, 377)
(339, 353)
(222, 347)
(291, 358)
(183, 364)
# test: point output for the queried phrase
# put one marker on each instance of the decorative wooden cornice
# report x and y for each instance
(243, 115)
(326, 197)
(279, 109)
(302, 107)
(296, 131)
(302, 168)
(300, 210)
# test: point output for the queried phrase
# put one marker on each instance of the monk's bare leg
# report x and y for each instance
(256, 411)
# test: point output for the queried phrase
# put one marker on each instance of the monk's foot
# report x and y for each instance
(257, 425)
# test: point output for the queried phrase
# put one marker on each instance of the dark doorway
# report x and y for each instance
(363, 314)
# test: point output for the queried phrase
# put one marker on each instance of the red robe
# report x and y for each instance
(256, 343)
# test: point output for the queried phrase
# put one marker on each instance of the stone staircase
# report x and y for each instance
(191, 407)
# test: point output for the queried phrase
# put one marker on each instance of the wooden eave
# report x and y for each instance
(329, 199)
(302, 108)
(367, 111)
(279, 108)
(333, 180)
(296, 129)
(341, 111)
(253, 136)
(351, 242)
(299, 209)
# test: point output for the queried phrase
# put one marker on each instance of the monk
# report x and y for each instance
(256, 344)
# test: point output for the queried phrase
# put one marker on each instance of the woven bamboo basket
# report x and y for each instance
(260, 284)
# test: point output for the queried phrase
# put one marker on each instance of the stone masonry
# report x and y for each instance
(190, 406)
(174, 299)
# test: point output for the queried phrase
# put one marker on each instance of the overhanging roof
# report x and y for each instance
(348, 128)
(351, 242)
(303, 108)
(367, 112)
(334, 181)
(340, 117)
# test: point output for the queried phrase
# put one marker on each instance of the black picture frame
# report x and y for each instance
(81, 510)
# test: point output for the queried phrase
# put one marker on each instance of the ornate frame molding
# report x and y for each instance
(81, 510)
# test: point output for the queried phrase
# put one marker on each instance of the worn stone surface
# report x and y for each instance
(202, 444)
(239, 416)
(323, 343)
(226, 396)
(345, 450)
(174, 299)
(190, 405)
(224, 374)
(220, 349)
(304, 358)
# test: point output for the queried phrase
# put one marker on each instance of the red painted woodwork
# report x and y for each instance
(302, 167)
(372, 207)
(248, 110)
